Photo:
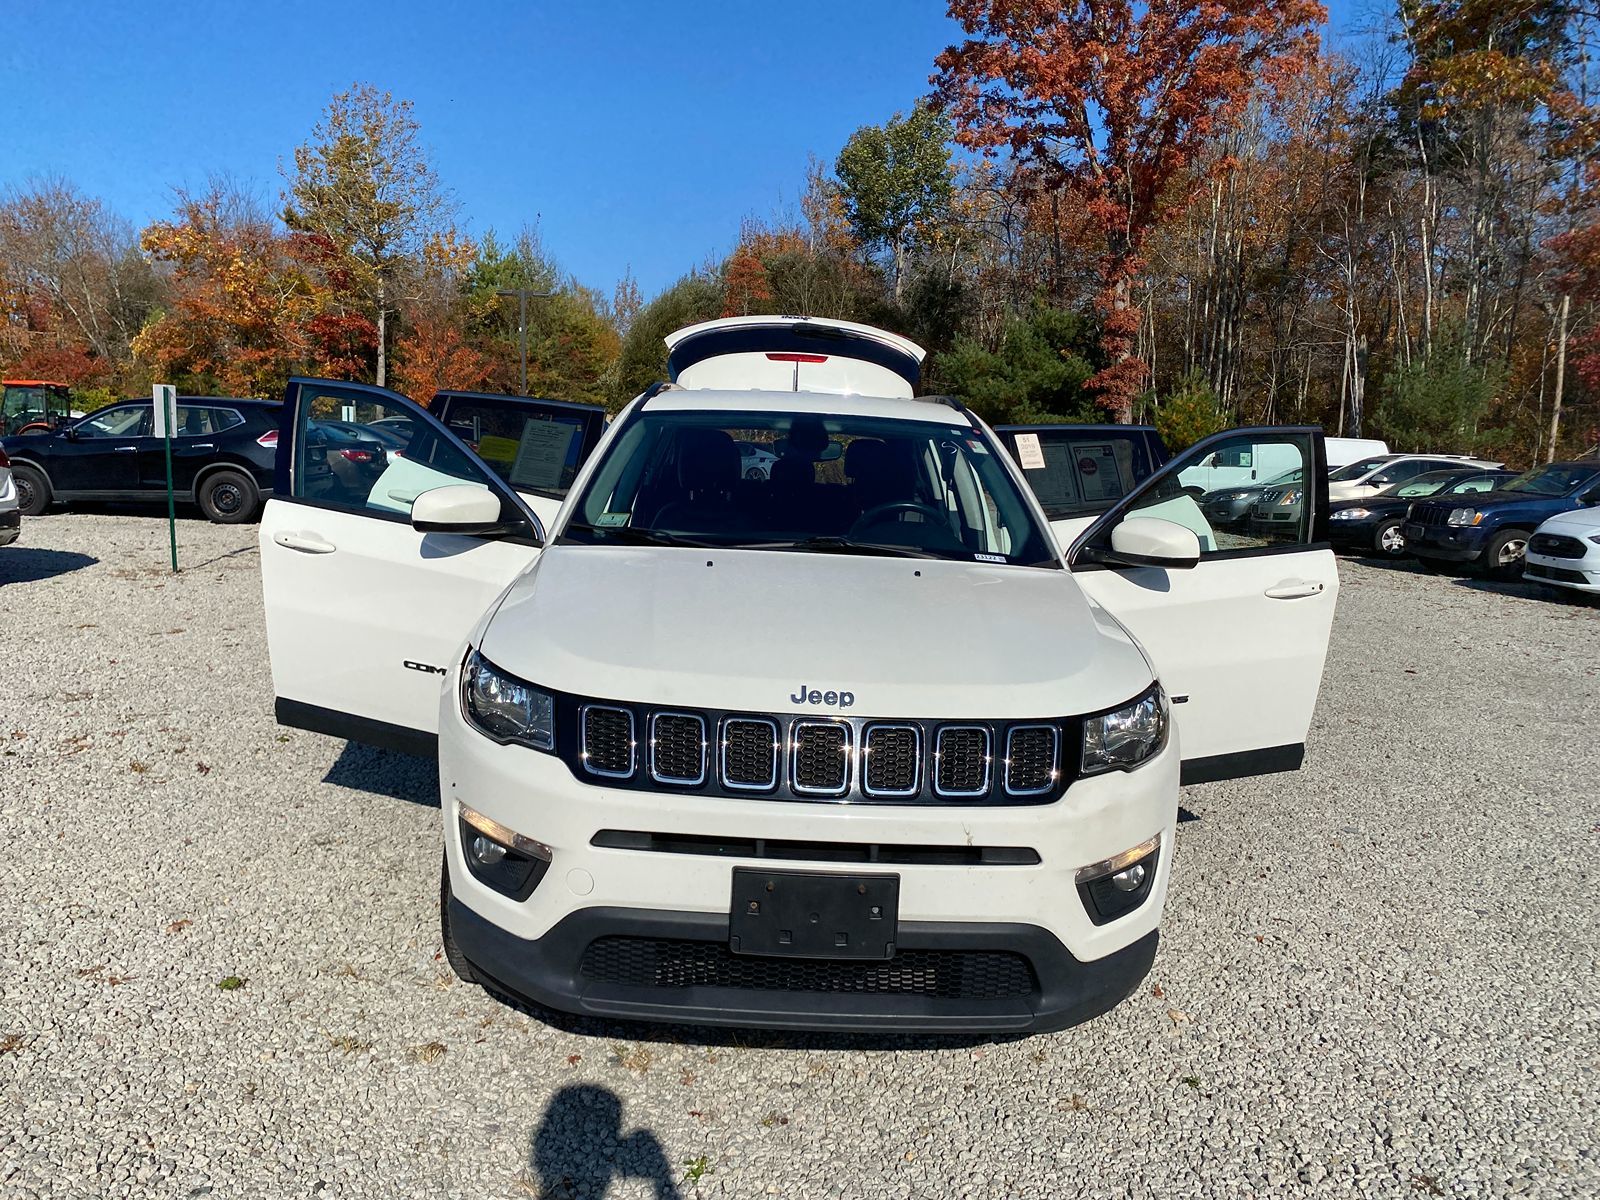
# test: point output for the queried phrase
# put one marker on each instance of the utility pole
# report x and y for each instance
(523, 295)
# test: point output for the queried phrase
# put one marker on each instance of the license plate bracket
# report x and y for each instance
(812, 914)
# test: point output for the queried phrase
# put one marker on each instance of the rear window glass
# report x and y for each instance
(534, 449)
(1077, 471)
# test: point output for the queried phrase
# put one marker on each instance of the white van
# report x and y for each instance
(1241, 463)
(1344, 451)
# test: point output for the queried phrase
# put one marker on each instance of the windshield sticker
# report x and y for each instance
(541, 453)
(1029, 454)
(999, 558)
(611, 518)
(976, 446)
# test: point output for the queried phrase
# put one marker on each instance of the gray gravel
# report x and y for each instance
(1379, 976)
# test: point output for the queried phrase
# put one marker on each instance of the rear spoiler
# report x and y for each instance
(792, 353)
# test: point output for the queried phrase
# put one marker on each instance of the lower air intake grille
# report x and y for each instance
(750, 753)
(821, 758)
(1030, 759)
(608, 740)
(892, 765)
(963, 760)
(678, 748)
(681, 963)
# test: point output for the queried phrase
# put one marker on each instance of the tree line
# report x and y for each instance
(1175, 211)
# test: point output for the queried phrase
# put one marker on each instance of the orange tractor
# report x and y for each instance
(33, 406)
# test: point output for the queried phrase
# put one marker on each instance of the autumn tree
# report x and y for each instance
(894, 181)
(1110, 101)
(366, 184)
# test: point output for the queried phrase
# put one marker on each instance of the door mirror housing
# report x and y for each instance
(1152, 542)
(457, 508)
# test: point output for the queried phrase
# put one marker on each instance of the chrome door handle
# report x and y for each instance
(1295, 589)
(204, 446)
(125, 449)
(306, 543)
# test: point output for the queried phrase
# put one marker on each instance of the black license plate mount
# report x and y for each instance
(813, 914)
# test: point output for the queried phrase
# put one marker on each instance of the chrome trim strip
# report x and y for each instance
(583, 741)
(722, 753)
(794, 753)
(988, 759)
(692, 781)
(866, 754)
(1055, 760)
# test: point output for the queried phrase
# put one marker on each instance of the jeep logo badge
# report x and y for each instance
(813, 696)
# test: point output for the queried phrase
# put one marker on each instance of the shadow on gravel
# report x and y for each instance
(386, 773)
(579, 1149)
(22, 564)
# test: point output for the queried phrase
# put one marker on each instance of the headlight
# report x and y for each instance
(506, 708)
(1595, 538)
(1349, 514)
(1290, 497)
(1121, 740)
(1464, 516)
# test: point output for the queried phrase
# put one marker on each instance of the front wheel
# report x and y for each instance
(459, 963)
(33, 489)
(228, 497)
(1389, 540)
(1504, 555)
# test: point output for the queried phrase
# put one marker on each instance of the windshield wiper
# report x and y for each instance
(840, 545)
(635, 534)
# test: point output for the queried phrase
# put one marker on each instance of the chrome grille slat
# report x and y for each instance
(678, 748)
(961, 760)
(749, 753)
(891, 760)
(819, 758)
(607, 737)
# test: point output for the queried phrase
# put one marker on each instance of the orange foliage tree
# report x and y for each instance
(1115, 101)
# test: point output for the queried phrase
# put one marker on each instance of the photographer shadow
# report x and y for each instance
(579, 1149)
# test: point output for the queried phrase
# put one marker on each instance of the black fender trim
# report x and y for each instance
(1243, 763)
(297, 714)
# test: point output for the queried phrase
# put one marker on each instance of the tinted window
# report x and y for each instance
(1553, 480)
(1357, 469)
(534, 446)
(1423, 485)
(1075, 472)
(129, 420)
(196, 421)
(1477, 483)
(839, 482)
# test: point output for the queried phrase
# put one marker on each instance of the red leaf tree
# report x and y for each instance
(1114, 102)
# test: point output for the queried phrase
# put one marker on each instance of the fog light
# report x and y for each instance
(1129, 880)
(501, 858)
(487, 853)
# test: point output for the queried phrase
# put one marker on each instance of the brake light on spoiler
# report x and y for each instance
(798, 358)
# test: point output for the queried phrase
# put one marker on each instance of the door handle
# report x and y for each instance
(125, 449)
(203, 446)
(1295, 589)
(306, 543)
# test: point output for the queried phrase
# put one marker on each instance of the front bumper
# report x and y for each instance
(1578, 574)
(680, 980)
(957, 914)
(10, 525)
(1449, 543)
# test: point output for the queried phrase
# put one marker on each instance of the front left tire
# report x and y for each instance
(1503, 557)
(1389, 541)
(228, 497)
(33, 489)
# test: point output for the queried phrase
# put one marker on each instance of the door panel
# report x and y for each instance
(1240, 638)
(103, 453)
(365, 613)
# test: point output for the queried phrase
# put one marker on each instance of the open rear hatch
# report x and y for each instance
(794, 354)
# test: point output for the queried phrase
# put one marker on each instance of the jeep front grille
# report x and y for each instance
(1031, 757)
(961, 761)
(750, 748)
(678, 748)
(891, 760)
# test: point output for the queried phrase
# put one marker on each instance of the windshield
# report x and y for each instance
(826, 484)
(1357, 469)
(1553, 480)
(1422, 485)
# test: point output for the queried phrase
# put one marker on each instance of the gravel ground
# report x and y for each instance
(219, 968)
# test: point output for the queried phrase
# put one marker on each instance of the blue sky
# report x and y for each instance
(637, 133)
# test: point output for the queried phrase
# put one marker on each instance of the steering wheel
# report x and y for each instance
(939, 519)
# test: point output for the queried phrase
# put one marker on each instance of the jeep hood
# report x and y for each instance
(748, 629)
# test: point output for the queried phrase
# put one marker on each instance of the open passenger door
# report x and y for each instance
(384, 541)
(1240, 635)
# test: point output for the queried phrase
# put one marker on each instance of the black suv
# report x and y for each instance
(222, 457)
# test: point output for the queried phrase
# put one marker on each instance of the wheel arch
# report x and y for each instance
(210, 469)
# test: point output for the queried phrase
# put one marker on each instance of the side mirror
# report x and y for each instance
(1379, 481)
(70, 432)
(456, 508)
(1152, 542)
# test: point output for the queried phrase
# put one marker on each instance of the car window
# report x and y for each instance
(1357, 469)
(129, 420)
(1422, 485)
(534, 449)
(1552, 480)
(1075, 471)
(836, 482)
(196, 420)
(339, 463)
(1477, 483)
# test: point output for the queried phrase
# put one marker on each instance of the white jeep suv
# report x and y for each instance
(854, 745)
